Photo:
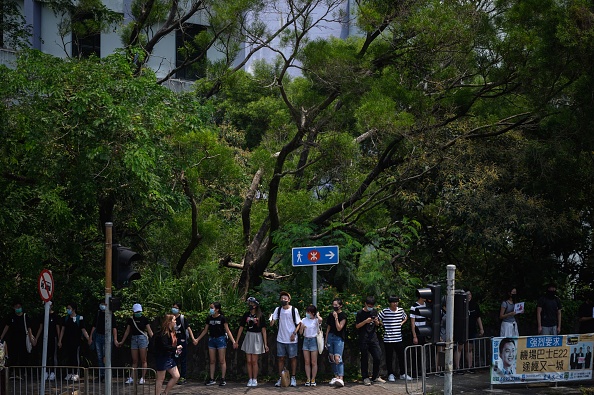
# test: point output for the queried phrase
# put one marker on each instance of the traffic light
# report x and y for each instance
(432, 312)
(122, 267)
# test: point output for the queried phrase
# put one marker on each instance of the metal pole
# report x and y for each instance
(44, 352)
(314, 285)
(108, 340)
(449, 352)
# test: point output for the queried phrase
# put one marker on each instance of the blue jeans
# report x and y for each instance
(336, 347)
(100, 348)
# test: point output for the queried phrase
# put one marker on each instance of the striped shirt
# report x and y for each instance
(419, 319)
(392, 321)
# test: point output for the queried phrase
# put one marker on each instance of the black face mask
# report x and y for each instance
(284, 302)
(336, 308)
(551, 294)
(514, 298)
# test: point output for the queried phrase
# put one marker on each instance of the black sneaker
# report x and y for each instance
(471, 371)
(222, 383)
(460, 372)
(181, 381)
(210, 382)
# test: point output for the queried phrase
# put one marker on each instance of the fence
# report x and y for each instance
(426, 360)
(62, 380)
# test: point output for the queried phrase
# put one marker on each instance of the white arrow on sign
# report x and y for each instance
(330, 255)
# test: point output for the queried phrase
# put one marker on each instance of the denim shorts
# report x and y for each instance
(138, 342)
(286, 349)
(217, 342)
(310, 344)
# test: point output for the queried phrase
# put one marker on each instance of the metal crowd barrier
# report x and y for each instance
(59, 380)
(429, 360)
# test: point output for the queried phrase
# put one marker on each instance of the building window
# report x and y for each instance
(188, 51)
(86, 35)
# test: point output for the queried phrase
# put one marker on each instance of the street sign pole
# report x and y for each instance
(45, 286)
(108, 323)
(314, 286)
(449, 352)
(44, 352)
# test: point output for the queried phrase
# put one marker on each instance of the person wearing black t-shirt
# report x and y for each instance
(335, 338)
(72, 330)
(141, 330)
(16, 330)
(586, 315)
(367, 323)
(218, 330)
(183, 331)
(255, 342)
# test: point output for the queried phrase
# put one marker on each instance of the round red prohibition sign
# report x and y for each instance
(313, 255)
(45, 285)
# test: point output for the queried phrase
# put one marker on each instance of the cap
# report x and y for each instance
(137, 308)
(251, 299)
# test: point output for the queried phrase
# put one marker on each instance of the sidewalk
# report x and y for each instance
(471, 384)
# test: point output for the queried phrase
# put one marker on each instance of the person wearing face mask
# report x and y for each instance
(367, 322)
(335, 338)
(218, 330)
(548, 312)
(69, 340)
(255, 342)
(141, 331)
(509, 326)
(97, 337)
(167, 350)
(286, 338)
(392, 318)
(16, 330)
(183, 332)
(309, 330)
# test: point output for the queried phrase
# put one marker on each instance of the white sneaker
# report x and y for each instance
(68, 377)
(333, 381)
(45, 376)
(74, 377)
(339, 383)
(278, 384)
(293, 382)
(405, 377)
(52, 376)
(379, 380)
(254, 382)
(141, 381)
(250, 383)
(391, 378)
(130, 381)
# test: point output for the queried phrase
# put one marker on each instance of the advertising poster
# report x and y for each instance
(542, 358)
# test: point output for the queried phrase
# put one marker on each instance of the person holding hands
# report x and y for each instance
(310, 326)
(255, 342)
(141, 331)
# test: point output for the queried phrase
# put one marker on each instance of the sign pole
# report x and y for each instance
(314, 285)
(449, 352)
(44, 353)
(108, 323)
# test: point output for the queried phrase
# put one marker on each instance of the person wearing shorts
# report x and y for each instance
(286, 338)
(166, 350)
(137, 325)
(255, 342)
(218, 330)
(309, 329)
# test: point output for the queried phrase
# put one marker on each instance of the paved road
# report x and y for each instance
(462, 384)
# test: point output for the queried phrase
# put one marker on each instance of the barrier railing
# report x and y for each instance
(25, 380)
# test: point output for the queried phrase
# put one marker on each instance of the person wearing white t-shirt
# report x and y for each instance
(309, 329)
(289, 323)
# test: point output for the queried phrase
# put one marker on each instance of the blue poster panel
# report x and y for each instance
(542, 358)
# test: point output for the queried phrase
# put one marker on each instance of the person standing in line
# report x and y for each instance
(586, 315)
(166, 351)
(183, 331)
(416, 321)
(335, 338)
(392, 318)
(289, 322)
(15, 332)
(548, 312)
(141, 330)
(97, 337)
(255, 342)
(309, 329)
(366, 323)
(218, 330)
(69, 340)
(509, 326)
(3, 358)
(474, 322)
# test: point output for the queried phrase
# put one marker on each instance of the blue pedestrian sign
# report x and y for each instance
(311, 256)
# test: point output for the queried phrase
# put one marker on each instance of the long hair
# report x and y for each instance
(165, 330)
(217, 305)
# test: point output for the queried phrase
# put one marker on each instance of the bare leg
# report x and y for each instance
(307, 362)
(255, 367)
(469, 358)
(143, 360)
(212, 354)
(314, 365)
(159, 381)
(222, 361)
(293, 366)
(174, 377)
(281, 365)
(249, 364)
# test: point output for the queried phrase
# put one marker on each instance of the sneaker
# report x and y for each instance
(307, 383)
(312, 383)
(45, 376)
(339, 383)
(210, 382)
(405, 377)
(278, 384)
(129, 381)
(222, 383)
(181, 381)
(391, 378)
(460, 372)
(141, 381)
(74, 377)
(69, 376)
(52, 376)
(440, 374)
(471, 371)
(250, 383)
(333, 381)
(293, 382)
(366, 381)
(379, 380)
(254, 382)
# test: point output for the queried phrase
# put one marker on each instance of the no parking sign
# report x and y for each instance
(45, 285)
